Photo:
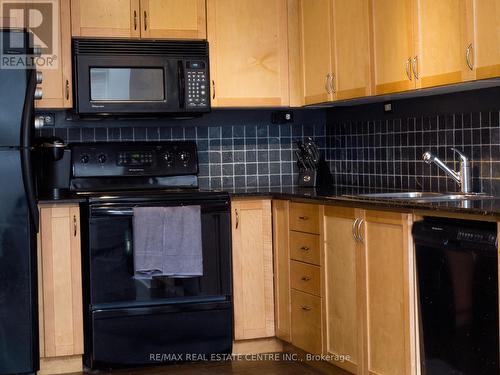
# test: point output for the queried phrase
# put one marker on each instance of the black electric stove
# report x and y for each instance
(129, 321)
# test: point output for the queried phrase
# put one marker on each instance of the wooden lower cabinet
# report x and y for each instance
(385, 238)
(60, 290)
(306, 321)
(252, 269)
(282, 248)
(343, 272)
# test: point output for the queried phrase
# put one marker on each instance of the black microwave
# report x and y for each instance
(126, 77)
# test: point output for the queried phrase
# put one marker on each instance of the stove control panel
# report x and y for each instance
(135, 159)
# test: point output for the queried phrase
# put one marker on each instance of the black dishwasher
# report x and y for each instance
(457, 273)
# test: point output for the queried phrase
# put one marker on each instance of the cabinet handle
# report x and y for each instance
(304, 248)
(213, 89)
(470, 64)
(358, 230)
(145, 21)
(306, 308)
(414, 67)
(332, 83)
(74, 226)
(353, 229)
(135, 20)
(306, 278)
(303, 218)
(237, 218)
(408, 72)
(67, 89)
(327, 83)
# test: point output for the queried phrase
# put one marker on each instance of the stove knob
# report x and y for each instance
(167, 157)
(102, 158)
(39, 77)
(84, 159)
(184, 156)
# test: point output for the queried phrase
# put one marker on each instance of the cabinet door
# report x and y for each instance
(315, 24)
(343, 303)
(110, 18)
(351, 48)
(441, 36)
(392, 45)
(176, 19)
(486, 47)
(281, 247)
(248, 52)
(61, 331)
(57, 84)
(388, 342)
(252, 269)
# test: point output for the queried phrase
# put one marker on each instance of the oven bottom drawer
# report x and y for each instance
(160, 334)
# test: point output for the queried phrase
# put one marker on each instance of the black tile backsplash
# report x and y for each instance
(235, 148)
(367, 148)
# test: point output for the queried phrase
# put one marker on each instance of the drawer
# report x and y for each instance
(305, 277)
(304, 217)
(306, 322)
(304, 247)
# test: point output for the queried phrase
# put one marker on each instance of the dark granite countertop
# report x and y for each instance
(484, 207)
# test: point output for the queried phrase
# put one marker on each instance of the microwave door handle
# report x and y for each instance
(182, 84)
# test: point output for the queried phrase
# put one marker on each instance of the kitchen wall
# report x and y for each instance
(366, 147)
(370, 148)
(237, 148)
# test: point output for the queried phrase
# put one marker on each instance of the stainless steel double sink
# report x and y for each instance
(417, 196)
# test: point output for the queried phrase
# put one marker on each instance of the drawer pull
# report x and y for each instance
(303, 218)
(304, 248)
(75, 226)
(306, 308)
(306, 278)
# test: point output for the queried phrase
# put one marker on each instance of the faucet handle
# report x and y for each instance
(463, 158)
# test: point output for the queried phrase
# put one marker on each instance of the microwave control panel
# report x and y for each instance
(197, 93)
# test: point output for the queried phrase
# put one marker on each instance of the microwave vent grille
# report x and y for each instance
(115, 47)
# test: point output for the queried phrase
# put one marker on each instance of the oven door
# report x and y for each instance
(110, 260)
(131, 84)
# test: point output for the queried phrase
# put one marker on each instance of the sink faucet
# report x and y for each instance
(462, 178)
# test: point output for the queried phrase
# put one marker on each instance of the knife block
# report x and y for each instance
(319, 177)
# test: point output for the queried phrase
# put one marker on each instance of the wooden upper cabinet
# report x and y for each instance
(385, 236)
(176, 19)
(252, 269)
(335, 57)
(351, 46)
(343, 279)
(486, 44)
(55, 65)
(392, 45)
(60, 289)
(109, 18)
(57, 84)
(441, 38)
(315, 25)
(248, 52)
(167, 19)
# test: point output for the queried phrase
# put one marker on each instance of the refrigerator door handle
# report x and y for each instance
(26, 136)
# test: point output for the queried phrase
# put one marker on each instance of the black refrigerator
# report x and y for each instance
(18, 208)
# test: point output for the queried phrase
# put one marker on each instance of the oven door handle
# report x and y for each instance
(106, 211)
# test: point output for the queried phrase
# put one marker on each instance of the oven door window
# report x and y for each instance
(126, 84)
(111, 260)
